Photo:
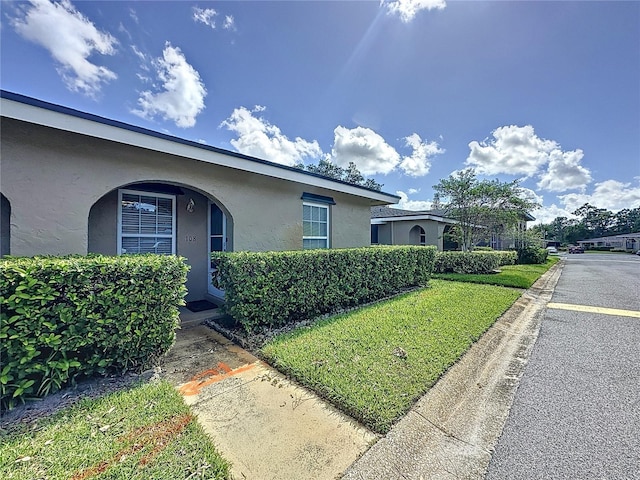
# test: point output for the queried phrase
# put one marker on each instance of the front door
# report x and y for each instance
(217, 242)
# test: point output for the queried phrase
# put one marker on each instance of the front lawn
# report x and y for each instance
(517, 276)
(145, 432)
(375, 362)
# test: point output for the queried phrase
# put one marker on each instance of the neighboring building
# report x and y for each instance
(626, 241)
(76, 183)
(508, 239)
(392, 226)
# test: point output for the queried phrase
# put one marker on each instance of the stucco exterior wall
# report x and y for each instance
(399, 232)
(54, 179)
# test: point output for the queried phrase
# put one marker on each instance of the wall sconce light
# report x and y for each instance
(191, 205)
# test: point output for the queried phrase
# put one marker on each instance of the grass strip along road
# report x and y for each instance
(375, 362)
(518, 276)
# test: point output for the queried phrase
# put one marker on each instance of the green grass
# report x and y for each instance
(517, 276)
(356, 359)
(144, 432)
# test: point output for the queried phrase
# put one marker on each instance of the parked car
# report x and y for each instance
(575, 249)
(552, 250)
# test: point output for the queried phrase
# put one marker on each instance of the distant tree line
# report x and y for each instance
(350, 174)
(590, 222)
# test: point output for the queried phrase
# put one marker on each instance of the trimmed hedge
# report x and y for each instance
(62, 318)
(507, 257)
(532, 255)
(472, 262)
(272, 289)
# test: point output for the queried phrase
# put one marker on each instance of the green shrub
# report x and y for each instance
(64, 318)
(531, 254)
(472, 262)
(507, 257)
(271, 289)
(483, 249)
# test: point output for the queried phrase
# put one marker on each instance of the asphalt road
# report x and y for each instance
(576, 414)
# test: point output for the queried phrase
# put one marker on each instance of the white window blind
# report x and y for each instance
(146, 223)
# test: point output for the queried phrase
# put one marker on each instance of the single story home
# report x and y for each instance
(393, 226)
(625, 241)
(76, 183)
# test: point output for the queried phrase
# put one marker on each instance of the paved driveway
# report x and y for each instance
(576, 414)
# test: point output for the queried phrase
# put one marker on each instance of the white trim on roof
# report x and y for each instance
(384, 220)
(92, 128)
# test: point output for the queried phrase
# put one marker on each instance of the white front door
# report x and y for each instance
(217, 242)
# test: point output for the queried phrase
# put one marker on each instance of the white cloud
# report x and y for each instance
(408, 9)
(71, 39)
(515, 150)
(610, 194)
(419, 163)
(208, 16)
(258, 138)
(182, 96)
(549, 214)
(368, 150)
(406, 204)
(564, 172)
(413, 191)
(205, 15)
(134, 15)
(530, 195)
(229, 23)
(141, 56)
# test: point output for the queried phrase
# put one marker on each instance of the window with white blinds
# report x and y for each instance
(146, 223)
(315, 226)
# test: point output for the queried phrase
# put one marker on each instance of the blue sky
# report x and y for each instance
(410, 90)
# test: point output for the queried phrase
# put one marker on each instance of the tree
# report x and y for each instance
(351, 174)
(596, 221)
(326, 169)
(482, 207)
(627, 221)
(592, 222)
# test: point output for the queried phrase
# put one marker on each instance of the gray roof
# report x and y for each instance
(386, 212)
(621, 236)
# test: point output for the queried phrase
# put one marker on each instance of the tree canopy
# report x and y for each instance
(481, 207)
(350, 174)
(591, 222)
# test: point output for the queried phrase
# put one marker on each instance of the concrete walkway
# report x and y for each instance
(265, 425)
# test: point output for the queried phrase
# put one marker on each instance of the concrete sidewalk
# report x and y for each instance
(452, 430)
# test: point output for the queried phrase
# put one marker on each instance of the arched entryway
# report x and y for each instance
(417, 236)
(163, 218)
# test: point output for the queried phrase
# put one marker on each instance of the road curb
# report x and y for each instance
(453, 429)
